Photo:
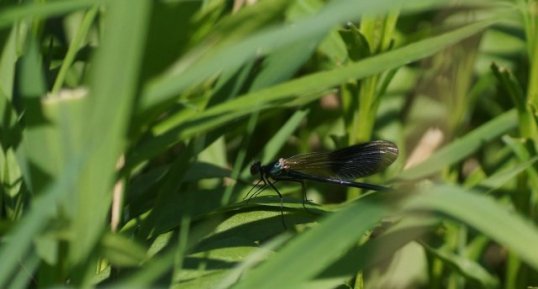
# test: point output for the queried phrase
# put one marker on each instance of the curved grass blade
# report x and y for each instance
(196, 71)
(10, 15)
(19, 240)
(461, 148)
(470, 269)
(310, 253)
(483, 214)
(302, 90)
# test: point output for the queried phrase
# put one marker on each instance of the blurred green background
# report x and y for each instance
(127, 128)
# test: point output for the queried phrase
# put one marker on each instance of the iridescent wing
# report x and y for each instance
(348, 163)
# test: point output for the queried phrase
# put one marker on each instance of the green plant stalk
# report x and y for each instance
(526, 120)
(531, 28)
(359, 281)
(378, 32)
(436, 273)
(182, 245)
(367, 110)
(524, 201)
(74, 46)
(364, 119)
(532, 93)
(522, 154)
(349, 104)
(515, 271)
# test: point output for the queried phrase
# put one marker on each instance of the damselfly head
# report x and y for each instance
(255, 168)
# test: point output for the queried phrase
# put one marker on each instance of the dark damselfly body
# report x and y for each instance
(340, 167)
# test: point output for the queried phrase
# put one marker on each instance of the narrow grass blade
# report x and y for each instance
(463, 147)
(466, 267)
(296, 90)
(500, 178)
(19, 241)
(233, 56)
(54, 8)
(272, 147)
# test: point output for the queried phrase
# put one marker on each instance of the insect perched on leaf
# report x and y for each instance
(339, 167)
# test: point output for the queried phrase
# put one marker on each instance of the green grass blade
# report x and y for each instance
(20, 240)
(483, 214)
(377, 249)
(74, 47)
(252, 260)
(113, 89)
(279, 139)
(311, 252)
(463, 147)
(468, 268)
(296, 90)
(8, 61)
(233, 56)
(152, 270)
(38, 9)
(500, 178)
(24, 277)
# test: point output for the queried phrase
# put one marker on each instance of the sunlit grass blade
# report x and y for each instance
(10, 15)
(311, 252)
(164, 88)
(483, 214)
(112, 92)
(461, 148)
(297, 90)
(468, 268)
(378, 249)
(500, 178)
(126, 127)
(251, 260)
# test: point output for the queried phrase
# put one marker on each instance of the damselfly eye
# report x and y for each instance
(255, 168)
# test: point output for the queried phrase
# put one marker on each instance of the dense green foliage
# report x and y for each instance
(128, 128)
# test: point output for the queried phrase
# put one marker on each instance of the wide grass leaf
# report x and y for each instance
(483, 214)
(112, 92)
(313, 251)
